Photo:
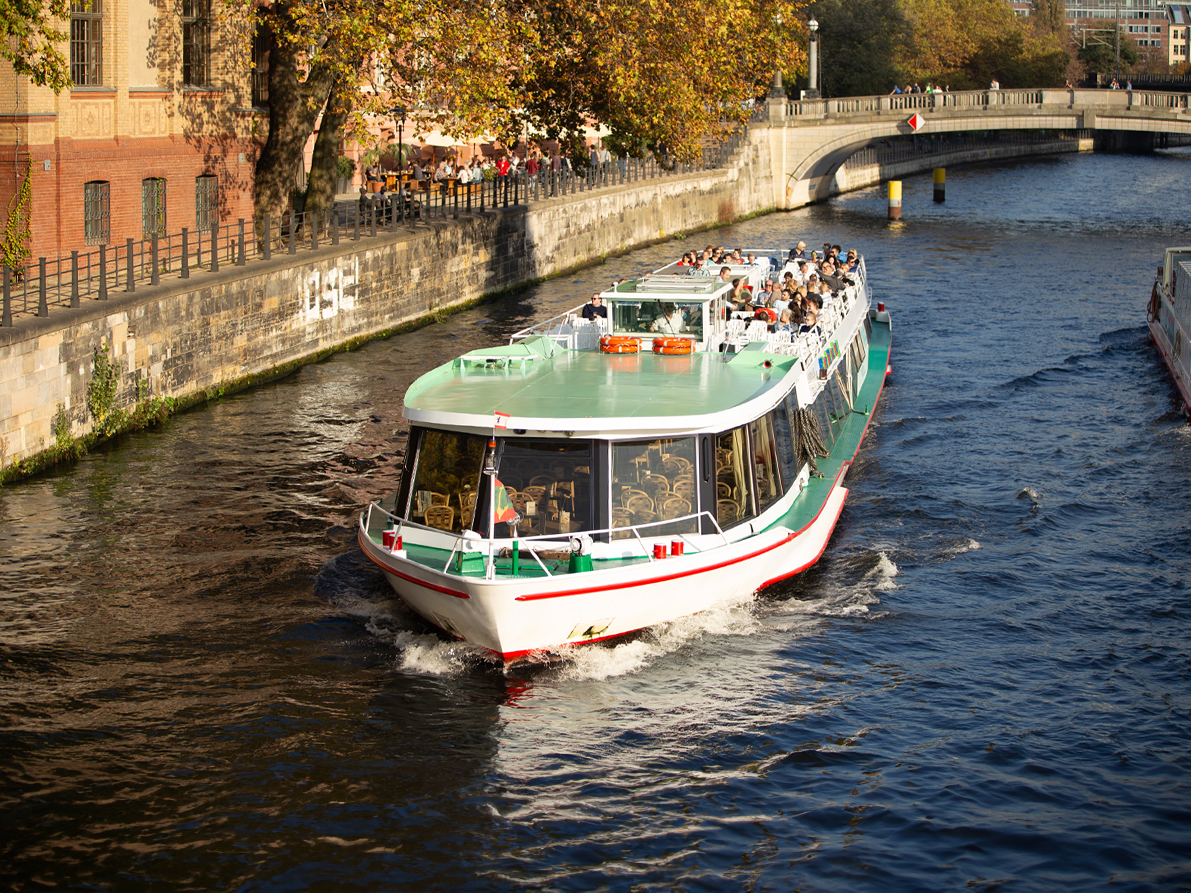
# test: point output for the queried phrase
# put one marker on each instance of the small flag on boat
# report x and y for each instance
(503, 511)
(502, 420)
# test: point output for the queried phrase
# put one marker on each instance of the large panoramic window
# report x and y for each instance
(654, 480)
(446, 477)
(765, 463)
(196, 42)
(97, 213)
(86, 43)
(548, 484)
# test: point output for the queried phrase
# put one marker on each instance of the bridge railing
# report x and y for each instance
(985, 100)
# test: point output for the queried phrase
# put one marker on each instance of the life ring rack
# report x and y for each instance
(620, 344)
(673, 346)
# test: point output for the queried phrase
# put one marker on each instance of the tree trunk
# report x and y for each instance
(320, 185)
(293, 108)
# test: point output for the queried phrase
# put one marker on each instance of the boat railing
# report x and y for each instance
(556, 542)
(569, 329)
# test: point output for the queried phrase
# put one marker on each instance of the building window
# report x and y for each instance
(97, 212)
(260, 68)
(153, 207)
(206, 202)
(86, 42)
(196, 42)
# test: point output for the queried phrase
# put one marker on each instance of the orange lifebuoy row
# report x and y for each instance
(619, 344)
(673, 345)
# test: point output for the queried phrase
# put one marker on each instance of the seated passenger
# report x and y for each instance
(725, 274)
(669, 321)
(595, 308)
(784, 323)
(740, 299)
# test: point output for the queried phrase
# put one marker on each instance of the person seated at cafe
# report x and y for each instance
(415, 171)
(595, 308)
(370, 173)
(669, 321)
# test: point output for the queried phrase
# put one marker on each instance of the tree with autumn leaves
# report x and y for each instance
(655, 72)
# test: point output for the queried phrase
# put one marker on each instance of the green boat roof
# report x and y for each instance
(539, 386)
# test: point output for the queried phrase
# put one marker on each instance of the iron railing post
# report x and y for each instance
(215, 248)
(267, 245)
(153, 277)
(242, 261)
(43, 308)
(6, 319)
(74, 278)
(292, 249)
(185, 253)
(103, 271)
(131, 274)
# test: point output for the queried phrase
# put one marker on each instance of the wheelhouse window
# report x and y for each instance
(445, 479)
(548, 483)
(734, 499)
(86, 43)
(97, 214)
(654, 317)
(654, 480)
(153, 207)
(206, 202)
(196, 42)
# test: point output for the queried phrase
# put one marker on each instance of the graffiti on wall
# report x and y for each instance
(327, 292)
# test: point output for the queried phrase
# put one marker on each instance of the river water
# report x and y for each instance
(984, 684)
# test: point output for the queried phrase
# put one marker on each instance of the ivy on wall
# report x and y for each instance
(15, 247)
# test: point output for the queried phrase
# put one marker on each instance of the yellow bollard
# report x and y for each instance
(940, 184)
(895, 199)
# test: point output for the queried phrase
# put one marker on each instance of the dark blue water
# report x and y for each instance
(985, 684)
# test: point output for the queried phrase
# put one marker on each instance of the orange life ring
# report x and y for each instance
(673, 345)
(766, 313)
(619, 344)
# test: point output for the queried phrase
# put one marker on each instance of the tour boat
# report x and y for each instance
(1169, 317)
(595, 477)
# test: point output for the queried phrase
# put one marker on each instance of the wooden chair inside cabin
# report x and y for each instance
(675, 465)
(637, 501)
(674, 507)
(467, 506)
(545, 481)
(645, 516)
(685, 487)
(535, 493)
(723, 490)
(727, 510)
(440, 516)
(653, 484)
(621, 518)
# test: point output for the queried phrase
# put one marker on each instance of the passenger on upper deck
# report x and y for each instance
(669, 322)
(699, 269)
(595, 308)
(798, 253)
(740, 297)
(725, 274)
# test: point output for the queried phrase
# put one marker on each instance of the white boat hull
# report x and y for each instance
(519, 617)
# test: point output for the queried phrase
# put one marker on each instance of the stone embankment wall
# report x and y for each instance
(219, 331)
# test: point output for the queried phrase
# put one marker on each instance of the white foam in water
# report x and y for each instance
(427, 653)
(845, 598)
(731, 617)
(968, 545)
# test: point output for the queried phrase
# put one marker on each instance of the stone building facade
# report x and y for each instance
(158, 132)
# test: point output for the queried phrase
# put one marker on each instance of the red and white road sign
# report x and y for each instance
(916, 121)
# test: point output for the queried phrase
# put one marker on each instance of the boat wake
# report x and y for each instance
(850, 589)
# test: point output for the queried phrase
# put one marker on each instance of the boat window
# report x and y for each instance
(734, 501)
(650, 317)
(654, 480)
(820, 408)
(445, 479)
(769, 484)
(783, 435)
(835, 387)
(547, 483)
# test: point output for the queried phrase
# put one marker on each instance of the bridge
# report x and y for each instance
(811, 139)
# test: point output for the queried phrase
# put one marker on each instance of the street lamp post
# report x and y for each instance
(399, 111)
(812, 69)
(778, 89)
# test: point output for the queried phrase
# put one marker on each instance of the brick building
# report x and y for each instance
(156, 134)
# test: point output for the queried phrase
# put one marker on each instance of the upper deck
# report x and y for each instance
(553, 378)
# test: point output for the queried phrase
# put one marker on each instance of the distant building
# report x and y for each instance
(155, 135)
(1178, 17)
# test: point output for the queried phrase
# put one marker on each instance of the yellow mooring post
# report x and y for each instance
(895, 199)
(940, 184)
